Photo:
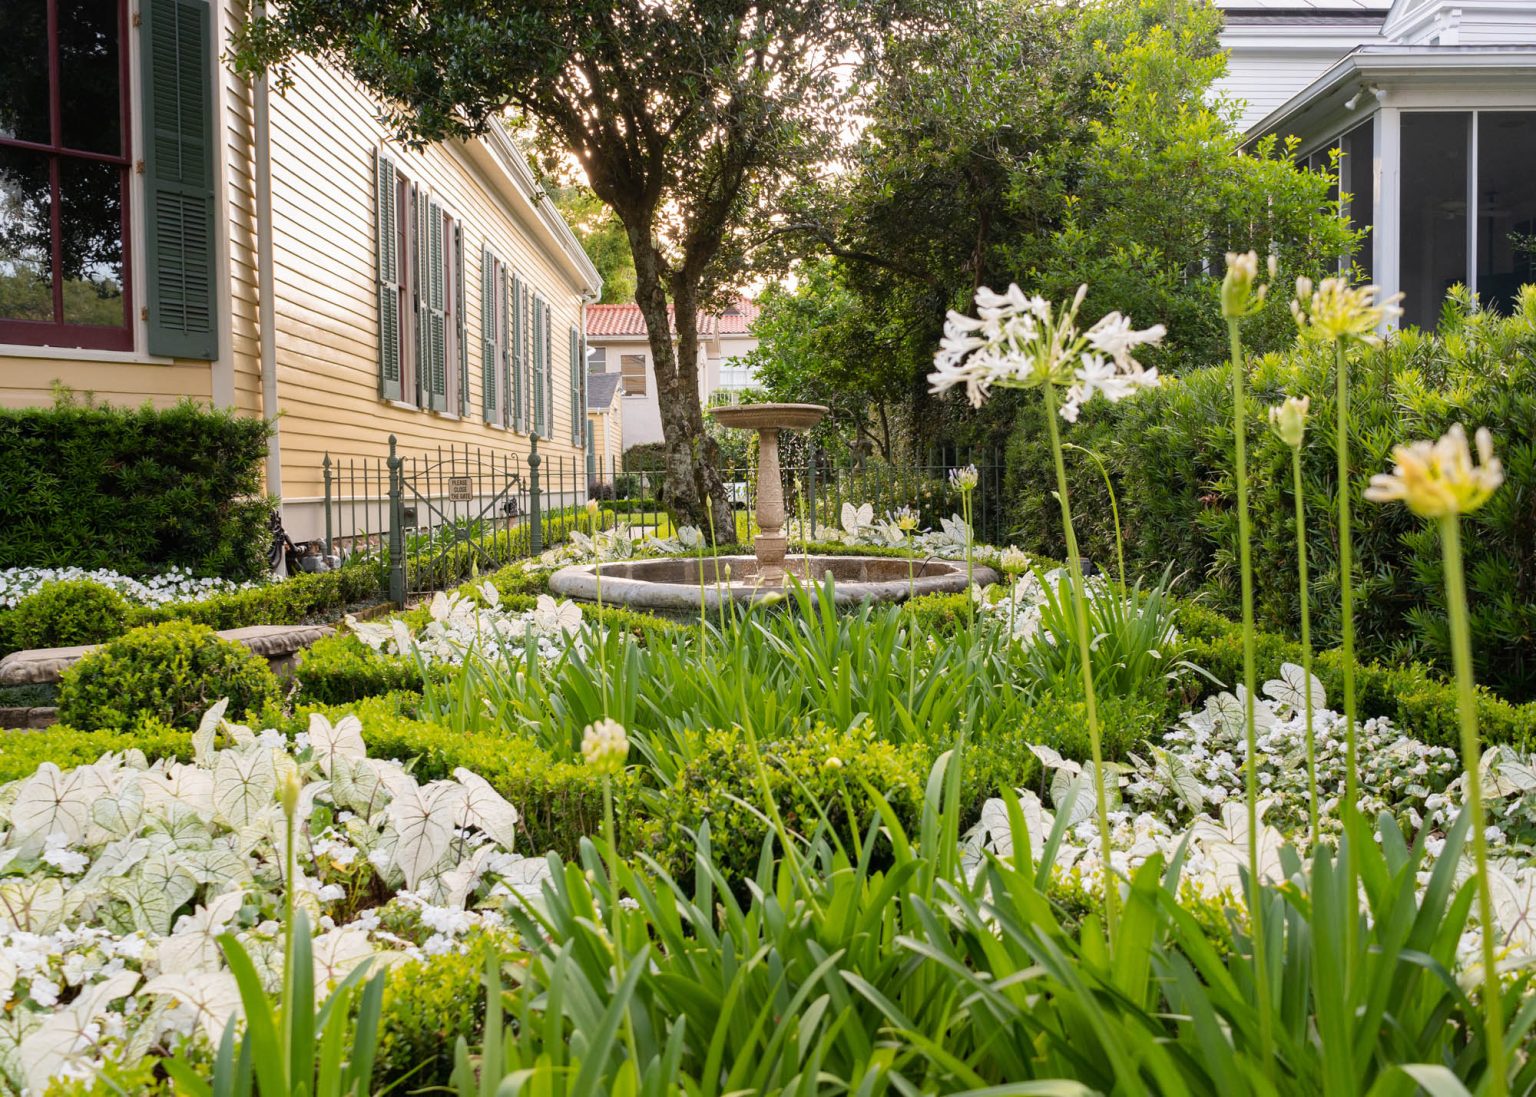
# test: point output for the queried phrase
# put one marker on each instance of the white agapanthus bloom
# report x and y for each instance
(1019, 341)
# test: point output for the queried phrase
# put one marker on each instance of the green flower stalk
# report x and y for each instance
(1439, 481)
(605, 747)
(965, 481)
(1240, 298)
(1018, 341)
(1289, 422)
(1114, 508)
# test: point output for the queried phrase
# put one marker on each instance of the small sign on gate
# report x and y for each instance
(461, 489)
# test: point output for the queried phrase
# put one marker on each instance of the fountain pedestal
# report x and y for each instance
(771, 543)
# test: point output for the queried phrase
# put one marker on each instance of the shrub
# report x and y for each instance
(171, 672)
(64, 614)
(599, 489)
(721, 781)
(1169, 452)
(21, 752)
(428, 1005)
(133, 489)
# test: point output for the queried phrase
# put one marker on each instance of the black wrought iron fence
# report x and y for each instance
(439, 516)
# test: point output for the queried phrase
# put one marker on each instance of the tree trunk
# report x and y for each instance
(692, 475)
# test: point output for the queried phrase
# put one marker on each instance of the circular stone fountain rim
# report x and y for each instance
(580, 581)
(770, 416)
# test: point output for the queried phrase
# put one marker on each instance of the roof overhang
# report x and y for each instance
(507, 170)
(1325, 99)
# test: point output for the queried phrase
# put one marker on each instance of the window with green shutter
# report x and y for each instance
(387, 240)
(578, 398)
(435, 376)
(549, 368)
(538, 368)
(519, 354)
(177, 55)
(490, 350)
(460, 321)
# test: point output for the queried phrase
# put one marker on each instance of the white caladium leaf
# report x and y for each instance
(1290, 689)
(188, 786)
(423, 824)
(857, 518)
(956, 531)
(54, 802)
(453, 886)
(212, 995)
(217, 868)
(1175, 771)
(118, 816)
(31, 904)
(485, 809)
(343, 739)
(243, 786)
(1512, 887)
(1053, 761)
(1507, 774)
(336, 954)
(69, 1036)
(194, 943)
(115, 859)
(523, 875)
(207, 733)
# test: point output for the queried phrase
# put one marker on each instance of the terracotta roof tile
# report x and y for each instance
(625, 320)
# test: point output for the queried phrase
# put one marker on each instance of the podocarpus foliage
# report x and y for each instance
(137, 490)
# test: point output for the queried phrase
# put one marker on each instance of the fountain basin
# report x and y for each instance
(769, 416)
(671, 584)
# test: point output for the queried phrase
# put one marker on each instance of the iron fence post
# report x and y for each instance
(535, 504)
(396, 527)
(326, 466)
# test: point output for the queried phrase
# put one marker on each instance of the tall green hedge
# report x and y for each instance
(135, 489)
(1170, 456)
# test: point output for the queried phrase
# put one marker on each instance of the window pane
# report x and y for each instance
(91, 205)
(1359, 183)
(1506, 205)
(1434, 211)
(24, 70)
(90, 75)
(26, 287)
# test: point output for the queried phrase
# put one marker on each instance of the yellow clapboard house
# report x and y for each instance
(169, 229)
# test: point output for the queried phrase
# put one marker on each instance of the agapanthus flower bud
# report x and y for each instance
(1013, 561)
(605, 746)
(1438, 479)
(1289, 420)
(1240, 295)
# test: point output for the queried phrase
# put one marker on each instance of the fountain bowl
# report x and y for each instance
(769, 416)
(670, 585)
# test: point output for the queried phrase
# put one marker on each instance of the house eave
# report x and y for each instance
(1428, 64)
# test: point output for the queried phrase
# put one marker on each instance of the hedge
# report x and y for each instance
(1170, 456)
(1414, 697)
(136, 489)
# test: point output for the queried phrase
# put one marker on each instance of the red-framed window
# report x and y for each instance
(64, 163)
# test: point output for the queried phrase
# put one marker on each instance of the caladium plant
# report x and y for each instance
(118, 879)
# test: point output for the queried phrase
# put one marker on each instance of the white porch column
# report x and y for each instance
(1386, 250)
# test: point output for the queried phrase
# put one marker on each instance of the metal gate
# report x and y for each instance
(458, 511)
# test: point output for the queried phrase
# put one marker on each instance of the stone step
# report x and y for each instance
(277, 643)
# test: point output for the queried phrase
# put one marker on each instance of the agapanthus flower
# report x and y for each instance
(605, 746)
(1439, 479)
(964, 479)
(905, 519)
(1240, 294)
(1338, 311)
(1016, 341)
(1289, 420)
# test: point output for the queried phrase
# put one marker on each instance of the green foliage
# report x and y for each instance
(1169, 452)
(172, 673)
(816, 775)
(133, 489)
(21, 752)
(428, 1007)
(602, 238)
(1048, 145)
(64, 614)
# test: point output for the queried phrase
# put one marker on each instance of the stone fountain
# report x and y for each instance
(675, 584)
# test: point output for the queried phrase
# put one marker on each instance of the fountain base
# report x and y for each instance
(672, 585)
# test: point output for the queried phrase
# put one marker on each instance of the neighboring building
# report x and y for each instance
(1433, 104)
(247, 250)
(618, 344)
(605, 426)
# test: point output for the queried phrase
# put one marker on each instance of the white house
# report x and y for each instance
(617, 343)
(1433, 106)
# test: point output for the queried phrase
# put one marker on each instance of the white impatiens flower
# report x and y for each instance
(57, 853)
(1021, 342)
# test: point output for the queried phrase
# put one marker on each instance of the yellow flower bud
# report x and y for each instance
(1438, 479)
(1289, 420)
(605, 746)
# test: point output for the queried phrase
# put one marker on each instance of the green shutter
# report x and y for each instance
(177, 54)
(576, 400)
(437, 313)
(516, 378)
(549, 368)
(488, 352)
(538, 368)
(461, 325)
(387, 248)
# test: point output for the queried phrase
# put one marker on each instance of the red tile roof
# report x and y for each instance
(625, 320)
